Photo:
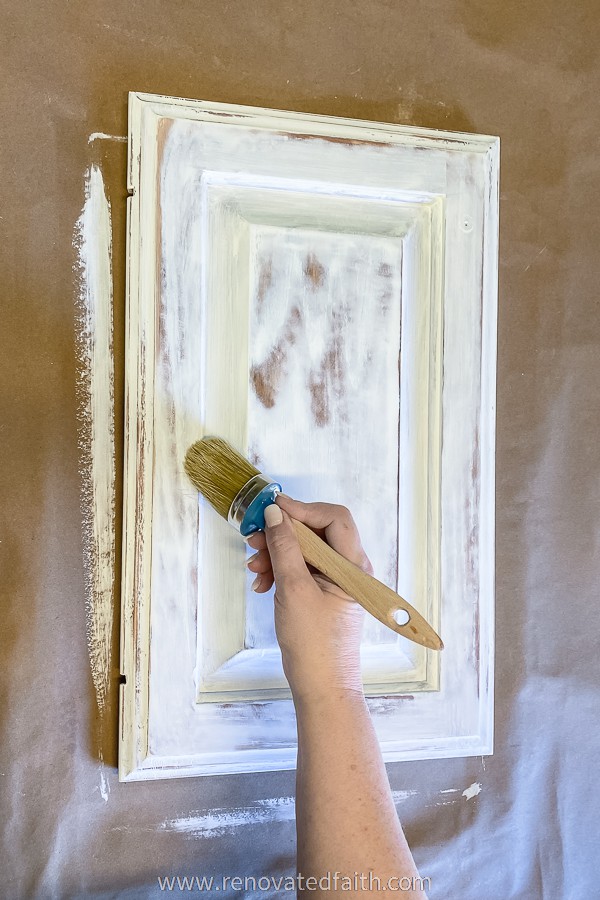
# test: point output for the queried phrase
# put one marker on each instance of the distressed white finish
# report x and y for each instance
(303, 286)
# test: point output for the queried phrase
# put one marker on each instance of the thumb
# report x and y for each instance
(286, 557)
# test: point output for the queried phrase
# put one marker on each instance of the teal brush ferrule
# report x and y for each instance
(247, 512)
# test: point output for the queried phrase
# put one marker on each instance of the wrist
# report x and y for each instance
(327, 698)
(320, 676)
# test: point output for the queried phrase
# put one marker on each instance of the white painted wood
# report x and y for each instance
(304, 286)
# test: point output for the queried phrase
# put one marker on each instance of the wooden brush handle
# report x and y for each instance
(374, 596)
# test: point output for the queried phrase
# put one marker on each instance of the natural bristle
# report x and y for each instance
(218, 471)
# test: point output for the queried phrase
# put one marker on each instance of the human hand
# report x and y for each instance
(318, 626)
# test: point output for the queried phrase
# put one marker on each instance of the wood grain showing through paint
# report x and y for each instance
(324, 355)
(305, 299)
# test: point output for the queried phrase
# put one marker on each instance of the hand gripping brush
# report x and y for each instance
(240, 493)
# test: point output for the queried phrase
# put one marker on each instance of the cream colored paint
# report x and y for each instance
(96, 410)
(197, 171)
(102, 136)
(472, 791)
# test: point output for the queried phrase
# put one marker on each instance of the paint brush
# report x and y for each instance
(240, 493)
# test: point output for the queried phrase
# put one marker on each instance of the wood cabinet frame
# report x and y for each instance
(322, 293)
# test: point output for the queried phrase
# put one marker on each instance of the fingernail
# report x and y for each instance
(273, 515)
(285, 496)
(251, 558)
(255, 583)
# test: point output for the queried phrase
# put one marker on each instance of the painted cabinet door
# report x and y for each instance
(320, 292)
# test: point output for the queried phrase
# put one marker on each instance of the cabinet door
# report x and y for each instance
(320, 292)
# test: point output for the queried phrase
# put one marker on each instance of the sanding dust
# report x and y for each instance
(96, 424)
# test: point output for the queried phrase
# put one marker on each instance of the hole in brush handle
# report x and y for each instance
(401, 617)
(378, 599)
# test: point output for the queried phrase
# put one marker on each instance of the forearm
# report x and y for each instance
(345, 815)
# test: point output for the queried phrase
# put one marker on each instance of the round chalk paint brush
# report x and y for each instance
(240, 493)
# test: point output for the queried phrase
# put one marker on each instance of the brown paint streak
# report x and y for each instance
(330, 375)
(139, 531)
(349, 142)
(225, 115)
(265, 280)
(162, 133)
(314, 272)
(294, 322)
(318, 404)
(266, 378)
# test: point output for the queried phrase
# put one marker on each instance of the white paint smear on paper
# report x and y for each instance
(104, 784)
(472, 790)
(96, 420)
(102, 136)
(217, 822)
